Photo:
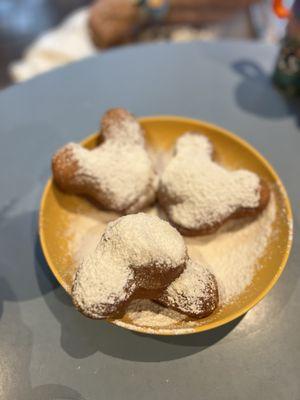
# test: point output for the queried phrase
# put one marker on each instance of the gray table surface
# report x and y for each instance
(47, 349)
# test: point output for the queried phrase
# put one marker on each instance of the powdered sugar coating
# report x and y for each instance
(149, 313)
(118, 173)
(198, 192)
(122, 172)
(142, 239)
(105, 279)
(194, 292)
(233, 252)
(102, 280)
(233, 266)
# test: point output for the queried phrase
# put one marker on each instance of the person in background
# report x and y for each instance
(107, 23)
(115, 22)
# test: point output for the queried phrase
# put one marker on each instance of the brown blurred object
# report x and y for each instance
(293, 28)
(114, 22)
(21, 21)
(200, 12)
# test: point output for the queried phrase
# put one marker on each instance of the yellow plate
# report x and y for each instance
(161, 133)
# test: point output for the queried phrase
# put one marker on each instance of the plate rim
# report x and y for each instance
(234, 315)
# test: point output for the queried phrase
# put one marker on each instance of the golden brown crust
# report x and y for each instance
(114, 116)
(65, 170)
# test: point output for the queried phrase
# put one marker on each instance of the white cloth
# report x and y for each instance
(68, 42)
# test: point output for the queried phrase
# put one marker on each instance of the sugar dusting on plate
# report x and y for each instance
(232, 254)
(149, 313)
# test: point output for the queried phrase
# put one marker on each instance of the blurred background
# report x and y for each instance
(39, 35)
